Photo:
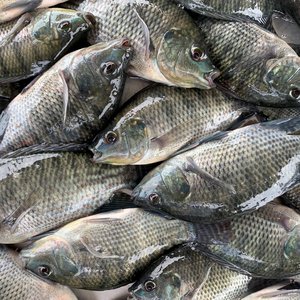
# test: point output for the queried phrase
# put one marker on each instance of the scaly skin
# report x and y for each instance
(107, 250)
(262, 244)
(18, 284)
(185, 271)
(162, 49)
(39, 44)
(256, 65)
(39, 115)
(160, 120)
(44, 191)
(234, 173)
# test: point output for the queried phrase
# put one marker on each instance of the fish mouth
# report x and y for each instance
(89, 18)
(210, 77)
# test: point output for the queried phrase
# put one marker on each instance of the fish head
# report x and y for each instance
(125, 144)
(292, 245)
(161, 281)
(50, 258)
(163, 188)
(184, 62)
(99, 72)
(283, 79)
(63, 25)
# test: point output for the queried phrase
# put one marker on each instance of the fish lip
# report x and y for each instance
(210, 77)
(89, 18)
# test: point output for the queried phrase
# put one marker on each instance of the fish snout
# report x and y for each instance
(211, 76)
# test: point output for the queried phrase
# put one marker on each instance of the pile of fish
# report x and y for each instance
(188, 190)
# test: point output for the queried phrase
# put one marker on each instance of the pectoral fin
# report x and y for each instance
(191, 166)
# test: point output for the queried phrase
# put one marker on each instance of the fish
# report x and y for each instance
(172, 53)
(263, 244)
(69, 103)
(41, 192)
(277, 292)
(32, 43)
(282, 17)
(161, 120)
(107, 250)
(11, 9)
(143, 132)
(256, 65)
(18, 284)
(185, 273)
(226, 174)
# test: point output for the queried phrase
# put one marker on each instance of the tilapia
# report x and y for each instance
(228, 174)
(41, 192)
(18, 284)
(11, 9)
(107, 250)
(170, 51)
(264, 244)
(160, 120)
(185, 272)
(71, 102)
(36, 40)
(256, 66)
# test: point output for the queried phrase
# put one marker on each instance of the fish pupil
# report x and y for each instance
(149, 286)
(295, 93)
(154, 198)
(44, 271)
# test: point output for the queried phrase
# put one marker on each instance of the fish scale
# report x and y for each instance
(38, 116)
(100, 249)
(200, 278)
(238, 180)
(18, 284)
(172, 117)
(29, 52)
(136, 20)
(54, 189)
(258, 243)
(253, 59)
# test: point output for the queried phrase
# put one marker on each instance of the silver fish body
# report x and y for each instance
(228, 174)
(44, 191)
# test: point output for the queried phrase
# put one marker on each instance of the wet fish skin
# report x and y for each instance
(162, 53)
(292, 198)
(44, 191)
(41, 39)
(41, 114)
(185, 271)
(107, 250)
(258, 67)
(220, 178)
(11, 9)
(259, 11)
(160, 120)
(262, 244)
(18, 284)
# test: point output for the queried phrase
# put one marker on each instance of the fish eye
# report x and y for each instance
(111, 137)
(109, 68)
(154, 198)
(197, 54)
(295, 93)
(44, 271)
(149, 285)
(65, 26)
